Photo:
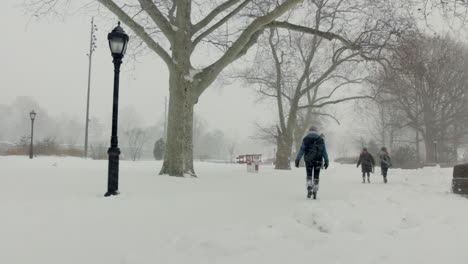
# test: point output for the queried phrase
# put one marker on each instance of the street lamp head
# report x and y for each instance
(32, 114)
(118, 40)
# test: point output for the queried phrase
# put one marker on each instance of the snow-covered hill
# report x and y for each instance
(53, 212)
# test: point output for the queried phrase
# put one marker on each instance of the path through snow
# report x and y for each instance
(52, 211)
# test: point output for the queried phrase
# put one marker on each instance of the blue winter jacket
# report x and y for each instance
(307, 141)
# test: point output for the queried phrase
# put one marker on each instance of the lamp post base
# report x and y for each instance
(107, 194)
(113, 176)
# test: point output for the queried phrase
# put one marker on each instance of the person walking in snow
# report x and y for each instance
(385, 162)
(315, 155)
(367, 162)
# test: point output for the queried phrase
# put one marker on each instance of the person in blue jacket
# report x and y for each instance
(315, 156)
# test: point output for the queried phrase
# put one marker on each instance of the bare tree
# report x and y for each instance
(303, 73)
(177, 30)
(454, 12)
(380, 118)
(429, 85)
(266, 134)
(136, 139)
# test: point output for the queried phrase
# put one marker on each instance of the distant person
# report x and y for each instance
(385, 162)
(367, 162)
(315, 155)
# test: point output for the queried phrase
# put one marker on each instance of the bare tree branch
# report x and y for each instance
(209, 73)
(212, 15)
(220, 22)
(329, 116)
(158, 18)
(335, 102)
(139, 31)
(312, 31)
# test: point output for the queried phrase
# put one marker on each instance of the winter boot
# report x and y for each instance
(310, 186)
(385, 179)
(315, 188)
(368, 179)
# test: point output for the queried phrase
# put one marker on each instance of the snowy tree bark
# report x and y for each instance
(418, 151)
(173, 159)
(188, 137)
(283, 152)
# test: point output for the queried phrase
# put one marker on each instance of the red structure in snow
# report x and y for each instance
(249, 158)
(252, 160)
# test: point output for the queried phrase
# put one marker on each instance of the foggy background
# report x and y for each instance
(45, 67)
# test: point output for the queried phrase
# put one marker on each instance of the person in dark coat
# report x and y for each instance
(315, 156)
(367, 162)
(385, 162)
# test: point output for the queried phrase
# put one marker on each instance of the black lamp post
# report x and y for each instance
(118, 45)
(32, 115)
(435, 150)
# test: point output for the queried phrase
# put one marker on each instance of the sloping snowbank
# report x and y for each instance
(53, 211)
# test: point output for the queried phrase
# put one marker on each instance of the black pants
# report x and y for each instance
(313, 169)
(364, 174)
(384, 172)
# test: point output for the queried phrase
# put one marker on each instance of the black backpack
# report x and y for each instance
(314, 149)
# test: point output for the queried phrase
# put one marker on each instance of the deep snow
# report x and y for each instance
(53, 211)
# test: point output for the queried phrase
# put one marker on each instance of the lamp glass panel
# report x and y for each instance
(125, 48)
(116, 45)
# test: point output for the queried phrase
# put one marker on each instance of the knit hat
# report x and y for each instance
(312, 129)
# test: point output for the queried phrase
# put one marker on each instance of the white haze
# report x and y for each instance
(44, 62)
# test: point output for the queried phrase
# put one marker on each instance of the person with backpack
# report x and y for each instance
(385, 162)
(315, 155)
(367, 162)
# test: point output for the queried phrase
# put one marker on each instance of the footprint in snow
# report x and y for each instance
(314, 224)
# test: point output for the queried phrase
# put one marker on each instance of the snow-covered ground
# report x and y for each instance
(53, 212)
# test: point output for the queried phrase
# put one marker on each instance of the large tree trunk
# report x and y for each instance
(418, 157)
(429, 145)
(456, 142)
(429, 135)
(178, 160)
(430, 153)
(174, 154)
(283, 154)
(179, 151)
(298, 137)
(297, 142)
(383, 127)
(188, 136)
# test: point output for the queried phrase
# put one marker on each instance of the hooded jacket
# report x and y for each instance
(307, 143)
(385, 160)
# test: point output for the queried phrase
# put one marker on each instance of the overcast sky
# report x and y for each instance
(47, 60)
